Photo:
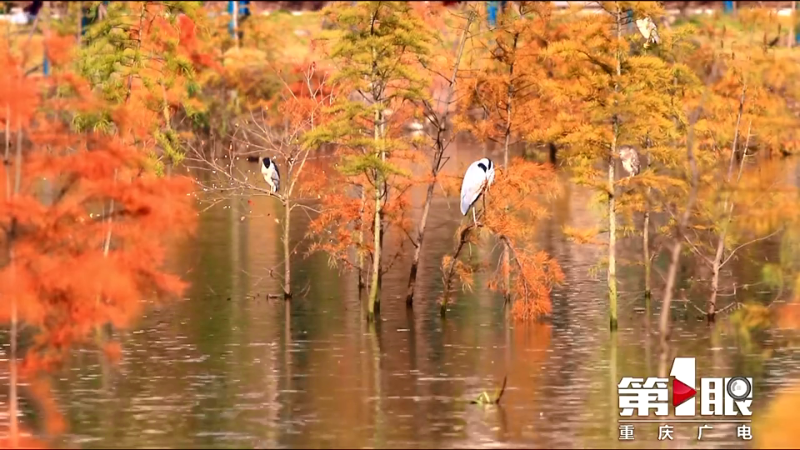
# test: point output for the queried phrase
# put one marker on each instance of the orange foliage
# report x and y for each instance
(192, 47)
(513, 220)
(55, 275)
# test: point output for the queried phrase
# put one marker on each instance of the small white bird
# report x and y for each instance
(479, 176)
(649, 31)
(271, 174)
(630, 160)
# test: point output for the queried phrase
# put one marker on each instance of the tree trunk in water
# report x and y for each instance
(287, 267)
(612, 242)
(376, 259)
(13, 425)
(646, 245)
(423, 221)
(360, 241)
(727, 207)
(506, 253)
(676, 246)
(13, 407)
(612, 215)
(380, 272)
(435, 167)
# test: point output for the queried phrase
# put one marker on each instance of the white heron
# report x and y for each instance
(479, 176)
(630, 160)
(271, 174)
(648, 29)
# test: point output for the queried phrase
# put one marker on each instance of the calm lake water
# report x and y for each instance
(227, 367)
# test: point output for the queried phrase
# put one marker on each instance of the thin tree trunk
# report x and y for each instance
(646, 240)
(612, 217)
(6, 160)
(509, 99)
(142, 15)
(676, 246)
(423, 222)
(435, 167)
(287, 266)
(360, 241)
(376, 259)
(716, 264)
(13, 406)
(374, 291)
(646, 245)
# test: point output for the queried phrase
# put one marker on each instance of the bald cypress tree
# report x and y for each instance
(377, 48)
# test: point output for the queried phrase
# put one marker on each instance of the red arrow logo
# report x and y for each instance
(681, 392)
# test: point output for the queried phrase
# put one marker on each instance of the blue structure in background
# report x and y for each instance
(232, 12)
(728, 7)
(238, 15)
(491, 9)
(630, 20)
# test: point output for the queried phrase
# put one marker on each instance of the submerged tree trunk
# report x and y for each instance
(423, 222)
(287, 267)
(13, 406)
(360, 241)
(612, 214)
(376, 259)
(727, 208)
(675, 255)
(435, 168)
(509, 109)
(646, 246)
(374, 291)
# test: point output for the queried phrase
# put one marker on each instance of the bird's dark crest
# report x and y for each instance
(483, 166)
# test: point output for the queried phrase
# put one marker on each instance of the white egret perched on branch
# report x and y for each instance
(479, 176)
(271, 174)
(648, 29)
(630, 160)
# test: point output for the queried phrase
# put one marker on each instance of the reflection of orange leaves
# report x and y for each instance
(40, 389)
(777, 426)
(788, 315)
(113, 351)
(24, 440)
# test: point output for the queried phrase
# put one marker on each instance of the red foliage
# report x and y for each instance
(55, 275)
(191, 46)
(306, 73)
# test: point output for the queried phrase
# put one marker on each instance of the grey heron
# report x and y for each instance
(478, 178)
(630, 160)
(649, 31)
(271, 174)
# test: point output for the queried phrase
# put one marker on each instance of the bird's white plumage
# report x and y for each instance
(649, 30)
(271, 175)
(479, 176)
(630, 160)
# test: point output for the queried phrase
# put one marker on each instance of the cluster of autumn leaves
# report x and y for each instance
(91, 150)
